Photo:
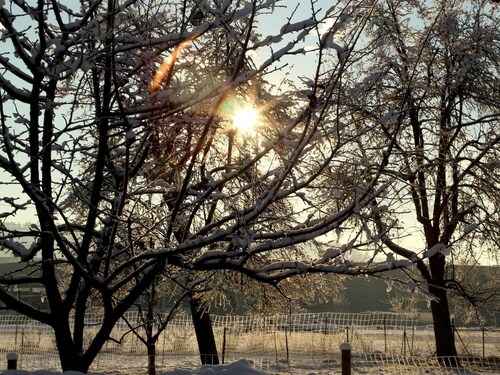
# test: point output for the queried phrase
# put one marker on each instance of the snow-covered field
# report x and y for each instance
(241, 367)
(246, 367)
(373, 363)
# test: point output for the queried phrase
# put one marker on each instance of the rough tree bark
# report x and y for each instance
(443, 330)
(204, 331)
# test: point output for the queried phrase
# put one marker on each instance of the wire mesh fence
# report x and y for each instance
(277, 344)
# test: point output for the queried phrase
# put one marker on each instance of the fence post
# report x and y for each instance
(224, 345)
(12, 361)
(404, 342)
(385, 335)
(286, 346)
(482, 334)
(345, 350)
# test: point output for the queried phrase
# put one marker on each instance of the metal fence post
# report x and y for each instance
(12, 361)
(345, 350)
(224, 345)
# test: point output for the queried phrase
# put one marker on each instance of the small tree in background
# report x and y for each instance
(155, 309)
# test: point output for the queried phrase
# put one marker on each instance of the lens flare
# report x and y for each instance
(164, 73)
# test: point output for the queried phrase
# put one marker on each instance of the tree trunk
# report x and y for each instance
(443, 330)
(69, 357)
(204, 332)
(151, 359)
(151, 343)
(440, 309)
(71, 361)
(72, 356)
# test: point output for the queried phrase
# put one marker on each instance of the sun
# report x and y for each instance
(246, 119)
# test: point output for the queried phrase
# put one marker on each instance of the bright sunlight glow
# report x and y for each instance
(246, 119)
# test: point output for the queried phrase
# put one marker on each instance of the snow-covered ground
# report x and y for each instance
(378, 364)
(241, 367)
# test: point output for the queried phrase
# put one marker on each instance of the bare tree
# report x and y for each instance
(86, 95)
(432, 73)
(155, 310)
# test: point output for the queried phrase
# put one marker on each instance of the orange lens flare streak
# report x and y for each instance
(164, 73)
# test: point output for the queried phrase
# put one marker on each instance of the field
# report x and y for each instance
(381, 343)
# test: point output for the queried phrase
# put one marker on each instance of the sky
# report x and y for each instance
(295, 11)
